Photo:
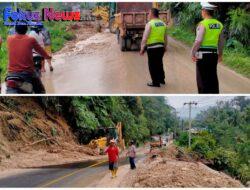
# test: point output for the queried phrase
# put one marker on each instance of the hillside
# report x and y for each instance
(32, 138)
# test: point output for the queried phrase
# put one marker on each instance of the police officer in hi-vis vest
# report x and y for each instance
(154, 41)
(207, 50)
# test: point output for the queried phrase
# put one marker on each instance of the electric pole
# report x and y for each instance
(190, 120)
(175, 130)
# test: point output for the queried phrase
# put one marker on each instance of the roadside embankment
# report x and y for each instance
(165, 168)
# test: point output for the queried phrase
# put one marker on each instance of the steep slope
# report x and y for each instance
(31, 137)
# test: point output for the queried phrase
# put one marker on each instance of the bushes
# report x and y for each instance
(59, 34)
(229, 161)
(182, 140)
(239, 25)
(182, 34)
(235, 163)
(204, 145)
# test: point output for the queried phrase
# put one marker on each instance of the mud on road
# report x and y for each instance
(94, 64)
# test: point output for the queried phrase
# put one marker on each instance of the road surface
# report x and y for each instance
(97, 66)
(82, 174)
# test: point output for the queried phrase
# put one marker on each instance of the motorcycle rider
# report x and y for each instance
(47, 43)
(35, 31)
(20, 47)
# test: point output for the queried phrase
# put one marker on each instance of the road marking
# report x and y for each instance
(70, 174)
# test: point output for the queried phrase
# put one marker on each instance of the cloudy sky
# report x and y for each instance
(203, 101)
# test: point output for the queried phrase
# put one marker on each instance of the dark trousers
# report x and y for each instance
(206, 74)
(155, 64)
(132, 162)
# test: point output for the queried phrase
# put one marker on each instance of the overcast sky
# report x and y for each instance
(177, 101)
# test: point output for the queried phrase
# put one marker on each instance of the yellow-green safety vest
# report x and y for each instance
(213, 29)
(157, 33)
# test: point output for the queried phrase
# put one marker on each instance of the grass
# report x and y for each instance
(236, 59)
(59, 34)
(182, 34)
(59, 37)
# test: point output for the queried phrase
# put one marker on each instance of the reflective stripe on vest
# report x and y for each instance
(213, 29)
(157, 32)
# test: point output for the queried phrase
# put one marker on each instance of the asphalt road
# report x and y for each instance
(81, 174)
(97, 66)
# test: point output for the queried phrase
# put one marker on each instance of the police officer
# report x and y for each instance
(207, 50)
(154, 41)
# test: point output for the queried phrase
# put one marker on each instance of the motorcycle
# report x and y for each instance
(18, 83)
(26, 83)
(37, 59)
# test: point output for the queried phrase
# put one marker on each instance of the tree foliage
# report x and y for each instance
(225, 138)
(140, 116)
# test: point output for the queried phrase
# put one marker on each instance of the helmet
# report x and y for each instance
(208, 6)
(40, 25)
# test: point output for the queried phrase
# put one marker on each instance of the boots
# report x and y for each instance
(115, 172)
(112, 173)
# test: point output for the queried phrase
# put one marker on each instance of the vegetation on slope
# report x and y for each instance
(224, 138)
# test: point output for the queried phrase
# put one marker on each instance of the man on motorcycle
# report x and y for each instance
(35, 31)
(21, 69)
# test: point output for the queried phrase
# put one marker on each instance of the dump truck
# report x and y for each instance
(130, 19)
(105, 134)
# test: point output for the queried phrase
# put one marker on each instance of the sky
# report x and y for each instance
(178, 101)
(203, 103)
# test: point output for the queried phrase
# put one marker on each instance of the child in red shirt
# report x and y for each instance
(113, 155)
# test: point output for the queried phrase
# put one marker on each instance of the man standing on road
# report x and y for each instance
(113, 155)
(155, 42)
(207, 50)
(131, 154)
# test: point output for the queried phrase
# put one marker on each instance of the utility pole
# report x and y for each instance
(175, 112)
(190, 121)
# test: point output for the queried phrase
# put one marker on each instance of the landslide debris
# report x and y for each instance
(171, 168)
(86, 41)
(31, 137)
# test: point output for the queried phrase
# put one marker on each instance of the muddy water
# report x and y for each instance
(97, 66)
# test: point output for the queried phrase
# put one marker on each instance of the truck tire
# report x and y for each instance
(128, 44)
(118, 35)
(122, 44)
(112, 26)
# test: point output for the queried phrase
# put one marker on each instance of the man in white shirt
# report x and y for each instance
(37, 34)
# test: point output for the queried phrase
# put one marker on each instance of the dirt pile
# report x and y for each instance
(33, 138)
(165, 170)
(83, 32)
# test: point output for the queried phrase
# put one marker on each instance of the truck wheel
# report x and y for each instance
(112, 26)
(122, 44)
(138, 43)
(118, 35)
(128, 44)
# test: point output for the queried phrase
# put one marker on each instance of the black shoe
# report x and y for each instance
(151, 84)
(163, 82)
